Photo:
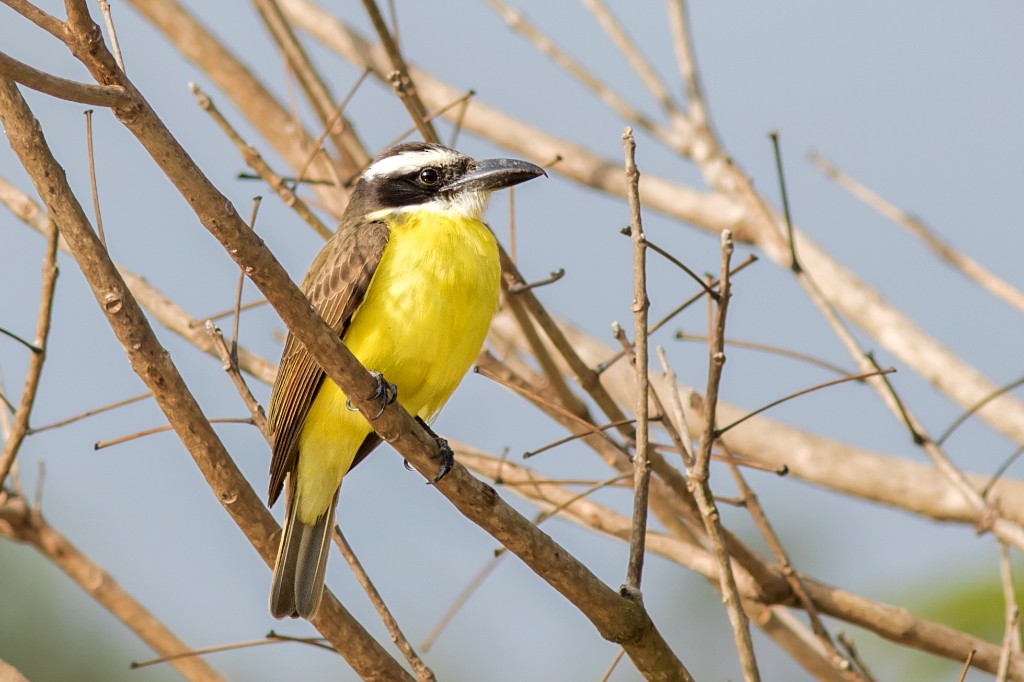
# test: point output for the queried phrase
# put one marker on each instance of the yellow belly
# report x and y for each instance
(421, 325)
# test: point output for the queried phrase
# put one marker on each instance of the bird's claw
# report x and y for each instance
(386, 392)
(444, 452)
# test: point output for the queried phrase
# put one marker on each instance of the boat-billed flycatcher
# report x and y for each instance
(410, 282)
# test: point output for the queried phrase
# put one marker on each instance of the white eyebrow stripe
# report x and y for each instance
(407, 162)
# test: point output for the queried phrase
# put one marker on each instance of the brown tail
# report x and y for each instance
(301, 561)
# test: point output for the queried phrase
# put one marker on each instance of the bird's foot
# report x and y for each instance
(386, 392)
(444, 451)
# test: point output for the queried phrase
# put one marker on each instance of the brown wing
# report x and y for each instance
(335, 284)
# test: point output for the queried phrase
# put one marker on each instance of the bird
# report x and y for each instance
(410, 282)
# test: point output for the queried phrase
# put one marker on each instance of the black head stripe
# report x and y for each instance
(393, 179)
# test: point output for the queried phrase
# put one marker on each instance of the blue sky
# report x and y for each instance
(921, 101)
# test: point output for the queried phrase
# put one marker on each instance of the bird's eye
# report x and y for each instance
(429, 176)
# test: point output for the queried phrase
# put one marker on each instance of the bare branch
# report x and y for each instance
(20, 427)
(648, 76)
(338, 128)
(47, 22)
(969, 267)
(699, 474)
(255, 161)
(62, 88)
(273, 121)
(164, 310)
(734, 205)
(891, 480)
(400, 76)
(20, 523)
(111, 33)
(641, 304)
(423, 672)
(154, 366)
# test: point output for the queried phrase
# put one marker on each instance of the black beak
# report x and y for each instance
(493, 174)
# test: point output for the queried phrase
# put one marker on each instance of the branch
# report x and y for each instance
(61, 88)
(969, 267)
(263, 111)
(641, 304)
(893, 623)
(700, 474)
(399, 74)
(153, 365)
(354, 155)
(20, 426)
(618, 619)
(710, 211)
(164, 310)
(20, 523)
(895, 481)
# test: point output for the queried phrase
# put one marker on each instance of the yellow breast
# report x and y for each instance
(428, 307)
(421, 324)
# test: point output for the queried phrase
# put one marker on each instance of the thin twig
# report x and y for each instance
(241, 284)
(329, 125)
(111, 33)
(461, 599)
(200, 322)
(794, 262)
(678, 441)
(459, 118)
(536, 398)
(641, 304)
(20, 424)
(89, 413)
(753, 505)
(708, 289)
(568, 439)
(92, 170)
(441, 111)
(518, 305)
(768, 348)
(404, 85)
(975, 407)
(518, 287)
(271, 638)
(501, 552)
(611, 668)
(615, 357)
(965, 264)
(699, 475)
(682, 428)
(1011, 633)
(20, 522)
(423, 672)
(11, 335)
(850, 647)
(1001, 470)
(967, 665)
(255, 161)
(230, 364)
(101, 444)
(805, 391)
